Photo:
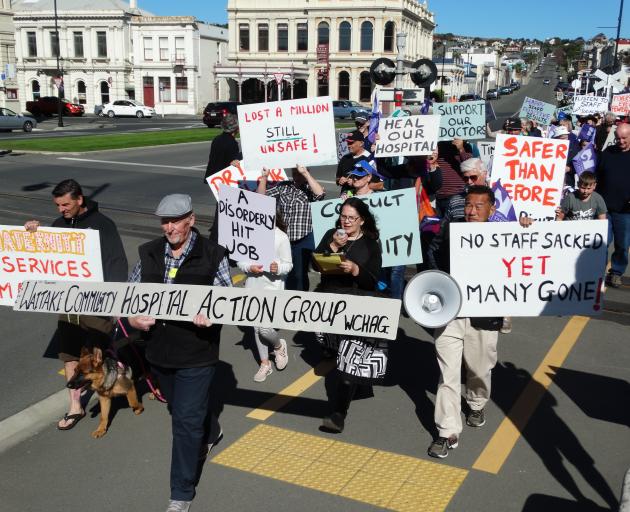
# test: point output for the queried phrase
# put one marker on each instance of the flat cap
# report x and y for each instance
(174, 205)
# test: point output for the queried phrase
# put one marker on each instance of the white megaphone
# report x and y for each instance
(432, 298)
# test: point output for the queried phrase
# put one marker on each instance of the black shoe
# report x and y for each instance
(212, 444)
(439, 447)
(334, 423)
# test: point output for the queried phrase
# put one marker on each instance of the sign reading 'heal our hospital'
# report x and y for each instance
(407, 136)
(287, 133)
(551, 268)
(532, 170)
(48, 253)
(464, 120)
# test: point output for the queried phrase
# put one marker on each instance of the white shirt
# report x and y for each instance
(267, 280)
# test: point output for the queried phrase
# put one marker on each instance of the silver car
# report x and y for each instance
(9, 120)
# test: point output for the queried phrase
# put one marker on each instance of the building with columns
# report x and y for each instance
(317, 47)
(9, 94)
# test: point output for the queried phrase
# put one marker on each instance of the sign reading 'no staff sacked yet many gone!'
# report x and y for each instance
(396, 214)
(532, 170)
(407, 136)
(537, 110)
(584, 105)
(287, 133)
(464, 120)
(246, 225)
(551, 268)
(236, 176)
(48, 253)
(296, 311)
(620, 104)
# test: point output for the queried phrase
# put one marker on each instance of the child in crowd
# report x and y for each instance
(583, 203)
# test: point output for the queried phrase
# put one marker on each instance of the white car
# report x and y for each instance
(127, 108)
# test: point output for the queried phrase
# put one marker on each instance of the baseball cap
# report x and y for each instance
(560, 130)
(174, 205)
(355, 136)
(361, 168)
(562, 116)
(360, 119)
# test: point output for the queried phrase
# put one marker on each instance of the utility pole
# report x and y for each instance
(60, 87)
(616, 63)
(401, 42)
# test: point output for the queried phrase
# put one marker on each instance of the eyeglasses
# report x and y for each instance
(348, 218)
(355, 177)
(473, 178)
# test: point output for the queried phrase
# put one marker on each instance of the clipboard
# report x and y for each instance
(328, 263)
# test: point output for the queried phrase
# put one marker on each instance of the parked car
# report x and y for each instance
(470, 97)
(214, 112)
(344, 108)
(516, 85)
(493, 94)
(127, 108)
(546, 81)
(9, 120)
(506, 89)
(49, 105)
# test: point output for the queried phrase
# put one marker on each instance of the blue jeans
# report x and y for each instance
(301, 252)
(187, 392)
(619, 230)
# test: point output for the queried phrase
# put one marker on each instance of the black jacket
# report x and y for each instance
(112, 251)
(223, 150)
(175, 344)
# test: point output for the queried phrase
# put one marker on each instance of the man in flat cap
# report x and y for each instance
(182, 354)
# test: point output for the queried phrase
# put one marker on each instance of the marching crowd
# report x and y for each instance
(452, 185)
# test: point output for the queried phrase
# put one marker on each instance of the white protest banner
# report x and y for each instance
(296, 311)
(464, 120)
(236, 176)
(532, 170)
(620, 104)
(537, 110)
(246, 225)
(287, 133)
(586, 105)
(551, 268)
(48, 253)
(407, 136)
(611, 137)
(486, 150)
(396, 214)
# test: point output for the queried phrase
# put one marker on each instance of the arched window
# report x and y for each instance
(323, 33)
(365, 86)
(104, 93)
(35, 89)
(388, 42)
(345, 36)
(81, 92)
(344, 86)
(367, 32)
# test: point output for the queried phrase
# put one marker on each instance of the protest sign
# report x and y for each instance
(611, 137)
(532, 170)
(287, 133)
(342, 145)
(246, 225)
(620, 104)
(537, 110)
(585, 160)
(48, 253)
(237, 176)
(586, 105)
(464, 120)
(396, 214)
(551, 268)
(486, 150)
(297, 311)
(407, 136)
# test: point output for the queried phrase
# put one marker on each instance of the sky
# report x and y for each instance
(539, 19)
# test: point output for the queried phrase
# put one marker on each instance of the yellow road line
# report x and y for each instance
(502, 442)
(293, 390)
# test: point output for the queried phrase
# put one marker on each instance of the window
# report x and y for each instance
(78, 44)
(283, 37)
(365, 86)
(165, 88)
(31, 39)
(180, 50)
(302, 37)
(366, 36)
(148, 48)
(388, 42)
(322, 82)
(323, 33)
(181, 89)
(345, 36)
(263, 37)
(104, 92)
(243, 37)
(35, 89)
(101, 46)
(54, 44)
(81, 92)
(344, 86)
(163, 44)
(12, 94)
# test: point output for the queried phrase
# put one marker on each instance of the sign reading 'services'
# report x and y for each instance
(551, 268)
(297, 311)
(407, 136)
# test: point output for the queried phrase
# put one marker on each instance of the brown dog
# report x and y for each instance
(108, 380)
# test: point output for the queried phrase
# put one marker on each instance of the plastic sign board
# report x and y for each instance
(463, 120)
(537, 110)
(620, 104)
(407, 136)
(237, 176)
(584, 105)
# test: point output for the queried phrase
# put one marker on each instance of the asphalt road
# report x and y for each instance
(569, 456)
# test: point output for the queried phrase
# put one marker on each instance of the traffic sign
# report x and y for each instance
(576, 83)
(278, 77)
(383, 71)
(58, 81)
(424, 72)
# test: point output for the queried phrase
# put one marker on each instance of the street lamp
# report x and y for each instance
(401, 42)
(59, 80)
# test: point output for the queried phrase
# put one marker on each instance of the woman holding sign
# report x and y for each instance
(354, 244)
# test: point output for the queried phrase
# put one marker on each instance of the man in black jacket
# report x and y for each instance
(73, 331)
(224, 150)
(182, 354)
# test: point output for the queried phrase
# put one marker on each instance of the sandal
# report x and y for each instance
(72, 418)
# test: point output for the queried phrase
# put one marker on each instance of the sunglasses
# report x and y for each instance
(472, 178)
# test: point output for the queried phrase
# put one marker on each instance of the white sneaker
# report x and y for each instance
(281, 355)
(263, 371)
(178, 506)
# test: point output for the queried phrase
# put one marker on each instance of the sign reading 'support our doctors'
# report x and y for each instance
(464, 120)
